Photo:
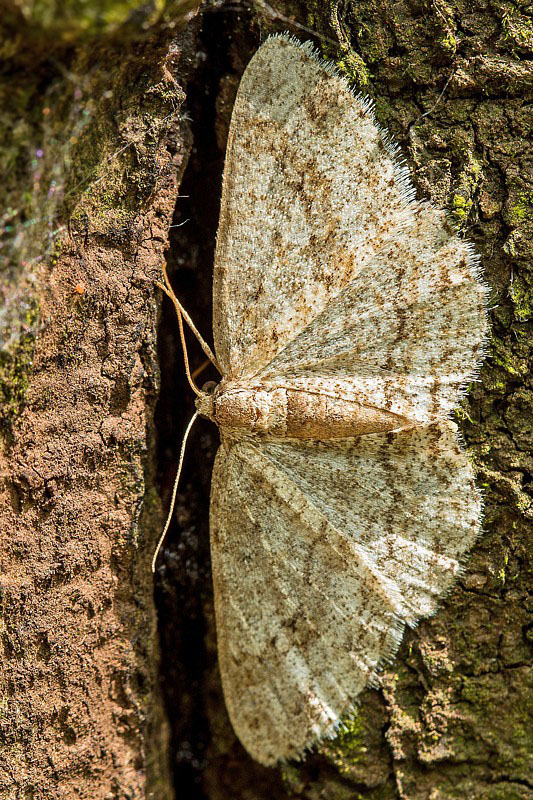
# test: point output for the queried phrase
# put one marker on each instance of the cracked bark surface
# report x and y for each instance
(82, 465)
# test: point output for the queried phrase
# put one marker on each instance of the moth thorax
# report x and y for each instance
(205, 405)
(254, 409)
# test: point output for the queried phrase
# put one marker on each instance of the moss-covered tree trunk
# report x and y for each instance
(114, 118)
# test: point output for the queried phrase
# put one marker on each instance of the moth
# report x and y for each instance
(348, 319)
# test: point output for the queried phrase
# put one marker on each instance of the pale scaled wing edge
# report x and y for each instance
(307, 604)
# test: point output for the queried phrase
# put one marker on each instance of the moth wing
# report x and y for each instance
(301, 626)
(407, 499)
(405, 335)
(310, 191)
(320, 552)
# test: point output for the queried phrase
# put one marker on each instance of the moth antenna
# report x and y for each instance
(183, 315)
(174, 490)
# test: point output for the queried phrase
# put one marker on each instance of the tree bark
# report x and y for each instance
(94, 145)
(96, 105)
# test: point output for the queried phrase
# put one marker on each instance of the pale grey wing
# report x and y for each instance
(405, 335)
(303, 620)
(320, 552)
(310, 191)
(406, 500)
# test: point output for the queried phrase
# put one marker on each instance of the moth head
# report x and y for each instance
(205, 402)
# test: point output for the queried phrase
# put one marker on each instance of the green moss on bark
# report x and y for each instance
(78, 19)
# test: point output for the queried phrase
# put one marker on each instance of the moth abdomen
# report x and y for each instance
(284, 411)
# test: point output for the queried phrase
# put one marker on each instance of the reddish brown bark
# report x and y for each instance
(81, 713)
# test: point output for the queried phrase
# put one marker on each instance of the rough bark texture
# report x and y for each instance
(81, 714)
(94, 144)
